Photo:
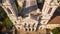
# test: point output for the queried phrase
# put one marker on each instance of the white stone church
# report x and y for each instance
(34, 14)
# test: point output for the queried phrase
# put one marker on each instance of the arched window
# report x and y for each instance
(18, 27)
(9, 11)
(15, 22)
(58, 1)
(49, 10)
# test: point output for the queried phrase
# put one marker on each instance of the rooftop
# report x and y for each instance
(56, 17)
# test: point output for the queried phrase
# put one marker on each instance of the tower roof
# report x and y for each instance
(56, 20)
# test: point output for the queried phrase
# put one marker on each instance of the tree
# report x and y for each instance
(3, 15)
(4, 18)
(8, 23)
(56, 30)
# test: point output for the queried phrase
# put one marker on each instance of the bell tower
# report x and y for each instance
(48, 10)
(11, 9)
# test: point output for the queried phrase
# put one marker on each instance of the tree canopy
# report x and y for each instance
(5, 19)
(56, 30)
